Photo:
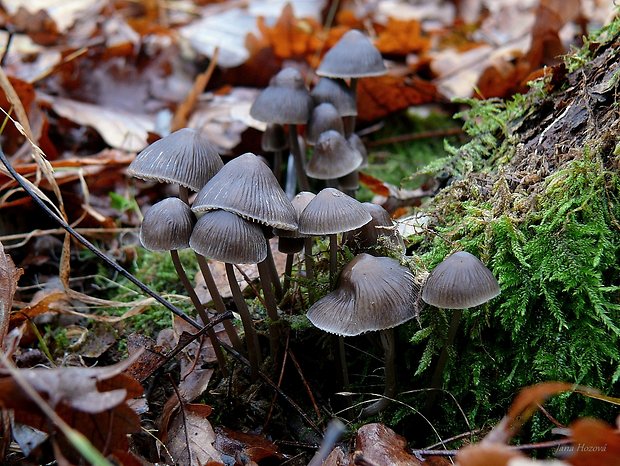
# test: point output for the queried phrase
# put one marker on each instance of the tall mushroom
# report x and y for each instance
(333, 157)
(246, 187)
(373, 294)
(286, 101)
(331, 212)
(167, 226)
(461, 281)
(226, 237)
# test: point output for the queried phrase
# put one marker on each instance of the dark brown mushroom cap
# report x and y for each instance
(330, 212)
(274, 138)
(167, 225)
(299, 202)
(285, 101)
(461, 281)
(324, 117)
(333, 157)
(353, 56)
(226, 237)
(337, 93)
(367, 236)
(373, 293)
(247, 187)
(184, 157)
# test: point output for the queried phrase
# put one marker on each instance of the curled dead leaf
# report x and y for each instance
(9, 276)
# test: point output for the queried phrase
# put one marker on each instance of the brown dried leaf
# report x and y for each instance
(9, 276)
(486, 454)
(239, 444)
(191, 437)
(380, 96)
(401, 38)
(594, 443)
(381, 445)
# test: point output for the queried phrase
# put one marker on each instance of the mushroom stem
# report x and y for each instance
(218, 302)
(184, 194)
(277, 165)
(308, 258)
(248, 326)
(271, 305)
(343, 362)
(273, 272)
(389, 349)
(288, 272)
(443, 359)
(333, 259)
(178, 266)
(300, 166)
(349, 121)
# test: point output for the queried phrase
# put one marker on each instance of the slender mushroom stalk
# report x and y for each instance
(389, 348)
(226, 237)
(460, 281)
(373, 294)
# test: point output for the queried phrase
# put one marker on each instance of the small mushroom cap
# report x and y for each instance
(373, 293)
(324, 117)
(460, 281)
(367, 236)
(226, 237)
(274, 138)
(356, 142)
(333, 157)
(247, 187)
(184, 157)
(167, 225)
(331, 211)
(337, 93)
(285, 101)
(353, 56)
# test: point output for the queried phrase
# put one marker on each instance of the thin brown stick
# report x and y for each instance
(305, 382)
(439, 133)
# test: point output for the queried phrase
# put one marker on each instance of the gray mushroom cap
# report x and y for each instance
(367, 236)
(353, 56)
(167, 225)
(247, 187)
(285, 101)
(333, 157)
(460, 281)
(373, 293)
(331, 211)
(184, 157)
(299, 202)
(324, 117)
(336, 92)
(226, 237)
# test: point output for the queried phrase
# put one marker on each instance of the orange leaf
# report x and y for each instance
(402, 38)
(594, 443)
(486, 454)
(381, 96)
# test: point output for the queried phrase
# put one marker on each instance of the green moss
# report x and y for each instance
(553, 242)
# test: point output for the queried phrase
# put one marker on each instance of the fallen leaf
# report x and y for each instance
(63, 13)
(380, 96)
(382, 446)
(594, 443)
(119, 128)
(190, 437)
(239, 445)
(490, 454)
(402, 37)
(9, 276)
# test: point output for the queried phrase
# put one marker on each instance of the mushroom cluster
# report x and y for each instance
(329, 112)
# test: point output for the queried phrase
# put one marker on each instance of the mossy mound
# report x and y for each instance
(535, 195)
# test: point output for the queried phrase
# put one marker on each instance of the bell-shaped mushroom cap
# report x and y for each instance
(226, 237)
(337, 93)
(330, 212)
(184, 157)
(274, 138)
(247, 187)
(285, 101)
(167, 225)
(460, 281)
(333, 157)
(367, 236)
(356, 143)
(353, 56)
(373, 293)
(324, 117)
